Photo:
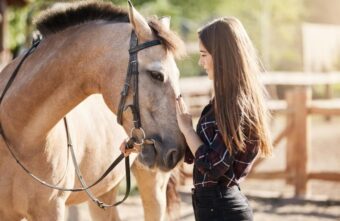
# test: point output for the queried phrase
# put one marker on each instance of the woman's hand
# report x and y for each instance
(184, 118)
(128, 151)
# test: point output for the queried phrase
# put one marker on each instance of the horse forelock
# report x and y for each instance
(57, 19)
(170, 39)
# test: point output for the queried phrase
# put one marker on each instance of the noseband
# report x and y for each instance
(134, 139)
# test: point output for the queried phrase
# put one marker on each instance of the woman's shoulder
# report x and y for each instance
(208, 111)
(207, 120)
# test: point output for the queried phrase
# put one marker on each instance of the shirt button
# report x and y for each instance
(211, 210)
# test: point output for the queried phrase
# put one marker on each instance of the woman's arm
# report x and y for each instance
(193, 140)
(214, 159)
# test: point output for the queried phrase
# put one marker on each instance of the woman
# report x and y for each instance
(232, 129)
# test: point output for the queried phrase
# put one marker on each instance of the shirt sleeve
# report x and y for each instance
(244, 160)
(213, 159)
(188, 156)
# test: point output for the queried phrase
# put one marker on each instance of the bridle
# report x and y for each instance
(137, 134)
(132, 78)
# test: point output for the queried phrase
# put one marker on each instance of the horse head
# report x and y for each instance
(158, 87)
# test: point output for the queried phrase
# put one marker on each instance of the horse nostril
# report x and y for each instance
(148, 155)
(171, 158)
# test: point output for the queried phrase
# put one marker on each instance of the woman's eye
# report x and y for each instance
(157, 76)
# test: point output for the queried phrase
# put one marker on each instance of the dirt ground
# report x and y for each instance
(272, 200)
(265, 209)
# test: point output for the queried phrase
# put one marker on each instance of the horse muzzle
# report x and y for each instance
(164, 155)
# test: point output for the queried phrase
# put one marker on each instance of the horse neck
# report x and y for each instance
(55, 78)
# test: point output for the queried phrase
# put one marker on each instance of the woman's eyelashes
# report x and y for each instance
(157, 75)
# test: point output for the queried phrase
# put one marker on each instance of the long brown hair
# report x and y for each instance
(239, 106)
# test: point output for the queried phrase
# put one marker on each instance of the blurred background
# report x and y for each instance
(298, 42)
(281, 30)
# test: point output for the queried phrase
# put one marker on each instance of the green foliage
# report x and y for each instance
(20, 25)
(16, 18)
(196, 9)
(336, 90)
(189, 67)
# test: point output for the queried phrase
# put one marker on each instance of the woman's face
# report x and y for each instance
(206, 61)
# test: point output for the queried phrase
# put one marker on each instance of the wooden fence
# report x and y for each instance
(298, 107)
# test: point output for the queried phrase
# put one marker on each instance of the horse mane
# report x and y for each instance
(57, 19)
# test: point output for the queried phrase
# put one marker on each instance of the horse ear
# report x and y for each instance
(165, 21)
(139, 24)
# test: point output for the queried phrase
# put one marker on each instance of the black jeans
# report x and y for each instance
(221, 204)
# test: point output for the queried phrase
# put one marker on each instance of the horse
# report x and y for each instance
(84, 52)
(152, 184)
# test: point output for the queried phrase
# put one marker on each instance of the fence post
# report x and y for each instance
(328, 96)
(302, 100)
(290, 152)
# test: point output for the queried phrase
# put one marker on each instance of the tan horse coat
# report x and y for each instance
(65, 69)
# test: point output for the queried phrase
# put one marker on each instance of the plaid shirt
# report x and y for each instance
(213, 163)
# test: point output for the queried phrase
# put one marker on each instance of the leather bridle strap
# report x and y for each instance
(35, 44)
(132, 74)
(83, 183)
(69, 144)
(144, 45)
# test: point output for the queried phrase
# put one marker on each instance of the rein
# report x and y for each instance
(132, 74)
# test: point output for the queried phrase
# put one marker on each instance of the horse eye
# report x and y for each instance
(157, 76)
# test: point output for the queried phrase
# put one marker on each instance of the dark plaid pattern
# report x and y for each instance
(213, 164)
